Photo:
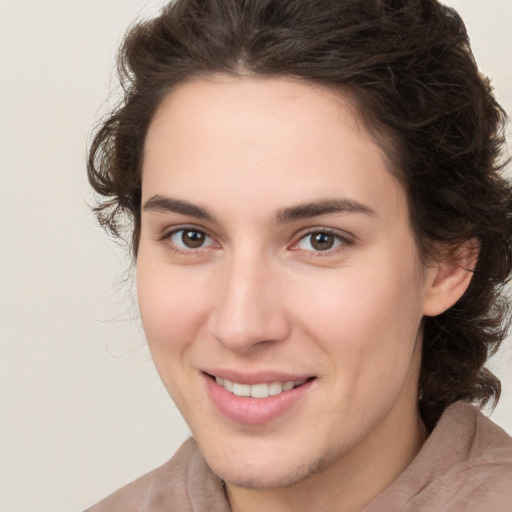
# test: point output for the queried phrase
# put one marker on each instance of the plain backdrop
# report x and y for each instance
(82, 409)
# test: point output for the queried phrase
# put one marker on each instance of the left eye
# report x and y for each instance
(319, 241)
(190, 239)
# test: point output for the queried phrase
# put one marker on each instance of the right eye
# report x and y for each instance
(189, 239)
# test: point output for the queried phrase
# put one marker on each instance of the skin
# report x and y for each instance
(256, 295)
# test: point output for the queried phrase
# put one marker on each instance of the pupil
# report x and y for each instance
(322, 241)
(192, 239)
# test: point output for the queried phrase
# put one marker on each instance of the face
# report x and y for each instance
(276, 260)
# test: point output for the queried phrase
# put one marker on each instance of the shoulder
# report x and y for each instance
(478, 443)
(470, 458)
(465, 464)
(168, 487)
(483, 475)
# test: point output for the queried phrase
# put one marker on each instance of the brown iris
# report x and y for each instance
(192, 239)
(322, 241)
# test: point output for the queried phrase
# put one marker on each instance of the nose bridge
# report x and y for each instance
(249, 309)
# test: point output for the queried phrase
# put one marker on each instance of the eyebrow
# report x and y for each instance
(301, 211)
(322, 207)
(160, 203)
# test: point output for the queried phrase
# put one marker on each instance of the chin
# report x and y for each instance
(271, 474)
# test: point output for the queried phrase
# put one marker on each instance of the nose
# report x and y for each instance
(249, 310)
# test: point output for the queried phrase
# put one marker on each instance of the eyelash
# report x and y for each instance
(167, 240)
(340, 241)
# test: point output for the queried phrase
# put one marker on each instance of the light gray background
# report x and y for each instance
(82, 410)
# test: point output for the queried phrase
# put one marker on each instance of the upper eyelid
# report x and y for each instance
(167, 232)
(165, 240)
(345, 238)
(343, 235)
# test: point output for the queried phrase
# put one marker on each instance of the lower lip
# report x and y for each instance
(254, 411)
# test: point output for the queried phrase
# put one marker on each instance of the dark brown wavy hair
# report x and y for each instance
(409, 68)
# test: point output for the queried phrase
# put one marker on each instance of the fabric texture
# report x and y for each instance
(464, 466)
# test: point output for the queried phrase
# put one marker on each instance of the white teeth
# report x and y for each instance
(241, 389)
(288, 385)
(275, 388)
(259, 390)
(262, 390)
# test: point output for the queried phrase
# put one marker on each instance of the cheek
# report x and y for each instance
(365, 319)
(360, 303)
(172, 310)
(172, 307)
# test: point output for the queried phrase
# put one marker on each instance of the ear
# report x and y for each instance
(449, 277)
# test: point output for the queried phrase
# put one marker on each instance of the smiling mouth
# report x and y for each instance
(261, 390)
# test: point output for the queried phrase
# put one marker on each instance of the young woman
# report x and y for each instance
(321, 236)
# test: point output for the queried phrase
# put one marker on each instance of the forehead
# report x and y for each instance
(279, 140)
(274, 108)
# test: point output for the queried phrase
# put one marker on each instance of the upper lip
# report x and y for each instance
(255, 377)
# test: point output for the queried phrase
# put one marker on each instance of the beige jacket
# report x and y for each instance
(464, 466)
